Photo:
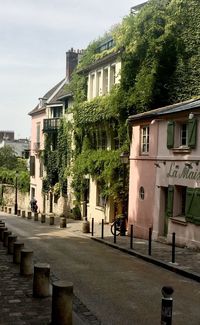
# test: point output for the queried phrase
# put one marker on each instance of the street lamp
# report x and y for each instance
(16, 203)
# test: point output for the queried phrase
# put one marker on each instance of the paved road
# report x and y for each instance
(117, 288)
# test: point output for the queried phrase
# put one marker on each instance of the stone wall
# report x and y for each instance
(9, 198)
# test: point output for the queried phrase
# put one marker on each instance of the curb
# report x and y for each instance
(170, 267)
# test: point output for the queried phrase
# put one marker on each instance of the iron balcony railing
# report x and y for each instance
(51, 124)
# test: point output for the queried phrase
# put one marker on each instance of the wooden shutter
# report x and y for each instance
(192, 132)
(170, 201)
(189, 203)
(195, 207)
(170, 134)
(32, 165)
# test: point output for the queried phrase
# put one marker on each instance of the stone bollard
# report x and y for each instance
(17, 247)
(63, 222)
(11, 240)
(2, 229)
(9, 210)
(6, 209)
(29, 215)
(6, 233)
(51, 220)
(23, 214)
(35, 216)
(18, 213)
(86, 226)
(62, 303)
(2, 208)
(41, 283)
(43, 218)
(26, 263)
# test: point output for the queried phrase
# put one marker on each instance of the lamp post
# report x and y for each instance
(124, 157)
(16, 203)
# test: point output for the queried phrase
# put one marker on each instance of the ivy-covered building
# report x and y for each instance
(164, 191)
(46, 120)
(96, 134)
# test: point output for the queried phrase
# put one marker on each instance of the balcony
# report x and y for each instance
(51, 125)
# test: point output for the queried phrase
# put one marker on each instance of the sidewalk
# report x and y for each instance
(187, 261)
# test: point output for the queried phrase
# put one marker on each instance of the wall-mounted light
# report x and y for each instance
(157, 165)
(164, 162)
(191, 116)
(189, 165)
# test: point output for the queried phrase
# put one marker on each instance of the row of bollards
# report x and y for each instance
(29, 215)
(62, 292)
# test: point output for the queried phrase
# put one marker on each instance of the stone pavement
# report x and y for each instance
(20, 308)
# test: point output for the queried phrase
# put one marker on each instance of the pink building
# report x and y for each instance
(45, 120)
(164, 190)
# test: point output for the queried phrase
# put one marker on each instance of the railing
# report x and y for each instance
(51, 124)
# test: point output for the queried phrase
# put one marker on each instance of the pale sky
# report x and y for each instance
(34, 37)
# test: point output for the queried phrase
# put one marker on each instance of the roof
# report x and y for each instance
(47, 96)
(61, 94)
(167, 110)
(100, 62)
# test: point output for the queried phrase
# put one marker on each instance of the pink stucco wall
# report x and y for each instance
(36, 181)
(142, 174)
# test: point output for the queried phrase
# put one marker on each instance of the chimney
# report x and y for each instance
(71, 62)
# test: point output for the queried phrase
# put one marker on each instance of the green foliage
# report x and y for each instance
(103, 166)
(57, 156)
(8, 158)
(9, 164)
(9, 177)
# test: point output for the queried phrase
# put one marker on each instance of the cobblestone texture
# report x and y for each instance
(19, 307)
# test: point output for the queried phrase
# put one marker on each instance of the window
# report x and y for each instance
(180, 199)
(182, 134)
(141, 193)
(100, 200)
(38, 132)
(101, 139)
(112, 75)
(105, 81)
(32, 165)
(57, 112)
(145, 139)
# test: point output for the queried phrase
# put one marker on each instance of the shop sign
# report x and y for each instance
(184, 172)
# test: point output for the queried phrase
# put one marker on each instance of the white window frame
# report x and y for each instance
(144, 139)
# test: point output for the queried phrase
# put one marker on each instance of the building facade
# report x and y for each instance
(165, 173)
(102, 75)
(45, 121)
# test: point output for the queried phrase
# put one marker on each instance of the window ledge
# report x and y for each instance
(181, 150)
(99, 208)
(180, 220)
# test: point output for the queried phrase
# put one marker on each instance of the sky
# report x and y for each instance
(34, 37)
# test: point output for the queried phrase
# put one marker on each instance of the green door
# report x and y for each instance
(169, 207)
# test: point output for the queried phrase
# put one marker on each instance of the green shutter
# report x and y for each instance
(192, 132)
(195, 207)
(170, 134)
(189, 204)
(170, 201)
